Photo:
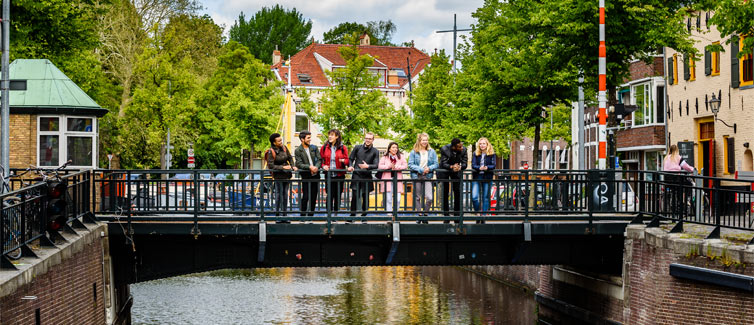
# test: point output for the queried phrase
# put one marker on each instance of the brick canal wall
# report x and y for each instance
(63, 286)
(655, 297)
(645, 293)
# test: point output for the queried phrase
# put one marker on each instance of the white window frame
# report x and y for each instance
(63, 135)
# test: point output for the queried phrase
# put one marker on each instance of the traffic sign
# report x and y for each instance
(191, 165)
(190, 152)
(190, 160)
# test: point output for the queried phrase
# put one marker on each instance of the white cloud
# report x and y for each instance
(415, 20)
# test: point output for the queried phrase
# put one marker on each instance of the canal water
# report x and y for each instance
(347, 295)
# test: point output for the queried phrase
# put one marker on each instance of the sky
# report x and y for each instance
(416, 20)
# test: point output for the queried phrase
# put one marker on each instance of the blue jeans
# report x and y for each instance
(481, 188)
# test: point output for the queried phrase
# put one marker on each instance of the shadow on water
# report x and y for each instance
(348, 295)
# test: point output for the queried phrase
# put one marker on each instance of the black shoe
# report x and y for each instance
(418, 222)
(353, 214)
(363, 221)
(349, 221)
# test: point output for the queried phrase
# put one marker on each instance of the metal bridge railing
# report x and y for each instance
(22, 220)
(189, 195)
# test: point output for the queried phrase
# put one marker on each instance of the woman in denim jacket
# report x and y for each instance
(422, 161)
(483, 162)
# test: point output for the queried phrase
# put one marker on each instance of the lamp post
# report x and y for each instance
(714, 104)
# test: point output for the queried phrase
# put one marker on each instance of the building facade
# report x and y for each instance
(640, 137)
(52, 120)
(395, 66)
(717, 144)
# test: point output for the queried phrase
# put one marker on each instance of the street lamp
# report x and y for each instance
(714, 104)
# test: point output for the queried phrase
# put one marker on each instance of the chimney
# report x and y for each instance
(364, 39)
(276, 56)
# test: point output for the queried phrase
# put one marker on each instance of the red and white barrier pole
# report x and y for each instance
(602, 95)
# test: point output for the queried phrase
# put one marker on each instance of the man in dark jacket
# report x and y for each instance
(364, 158)
(280, 162)
(453, 162)
(308, 162)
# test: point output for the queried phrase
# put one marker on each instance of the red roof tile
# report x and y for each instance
(390, 57)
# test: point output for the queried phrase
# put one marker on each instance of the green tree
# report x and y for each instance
(238, 110)
(353, 104)
(732, 17)
(380, 32)
(271, 28)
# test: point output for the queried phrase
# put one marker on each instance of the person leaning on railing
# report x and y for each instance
(422, 161)
(675, 163)
(396, 162)
(363, 159)
(453, 162)
(334, 156)
(483, 164)
(308, 161)
(280, 162)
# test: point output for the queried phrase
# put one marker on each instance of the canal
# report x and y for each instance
(347, 295)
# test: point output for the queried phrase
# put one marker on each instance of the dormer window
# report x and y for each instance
(304, 78)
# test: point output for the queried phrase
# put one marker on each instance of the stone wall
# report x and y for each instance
(64, 285)
(655, 297)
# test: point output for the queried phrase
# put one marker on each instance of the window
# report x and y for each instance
(641, 96)
(716, 61)
(76, 142)
(692, 68)
(706, 130)
(302, 123)
(745, 63)
(675, 69)
(730, 155)
(304, 78)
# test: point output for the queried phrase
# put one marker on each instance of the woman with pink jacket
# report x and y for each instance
(395, 161)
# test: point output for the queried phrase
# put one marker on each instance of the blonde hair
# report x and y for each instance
(673, 153)
(418, 144)
(490, 151)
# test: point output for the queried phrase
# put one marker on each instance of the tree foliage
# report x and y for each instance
(380, 32)
(271, 28)
(352, 105)
(731, 17)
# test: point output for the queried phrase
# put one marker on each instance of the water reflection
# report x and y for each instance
(352, 295)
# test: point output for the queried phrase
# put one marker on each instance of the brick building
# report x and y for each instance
(640, 138)
(52, 120)
(309, 67)
(721, 146)
(522, 153)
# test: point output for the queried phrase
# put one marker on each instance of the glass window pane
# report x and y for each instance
(49, 124)
(302, 123)
(80, 151)
(80, 124)
(638, 93)
(49, 150)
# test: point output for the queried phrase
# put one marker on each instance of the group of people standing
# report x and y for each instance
(422, 161)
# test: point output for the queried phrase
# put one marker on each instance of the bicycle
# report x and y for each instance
(11, 216)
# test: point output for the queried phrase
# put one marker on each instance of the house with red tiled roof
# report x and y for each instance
(395, 66)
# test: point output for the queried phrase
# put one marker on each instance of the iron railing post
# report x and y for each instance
(23, 217)
(394, 208)
(328, 201)
(196, 201)
(262, 191)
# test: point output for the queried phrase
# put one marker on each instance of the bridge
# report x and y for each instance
(166, 223)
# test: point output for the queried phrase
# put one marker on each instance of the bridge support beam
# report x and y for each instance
(262, 241)
(396, 241)
(527, 231)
